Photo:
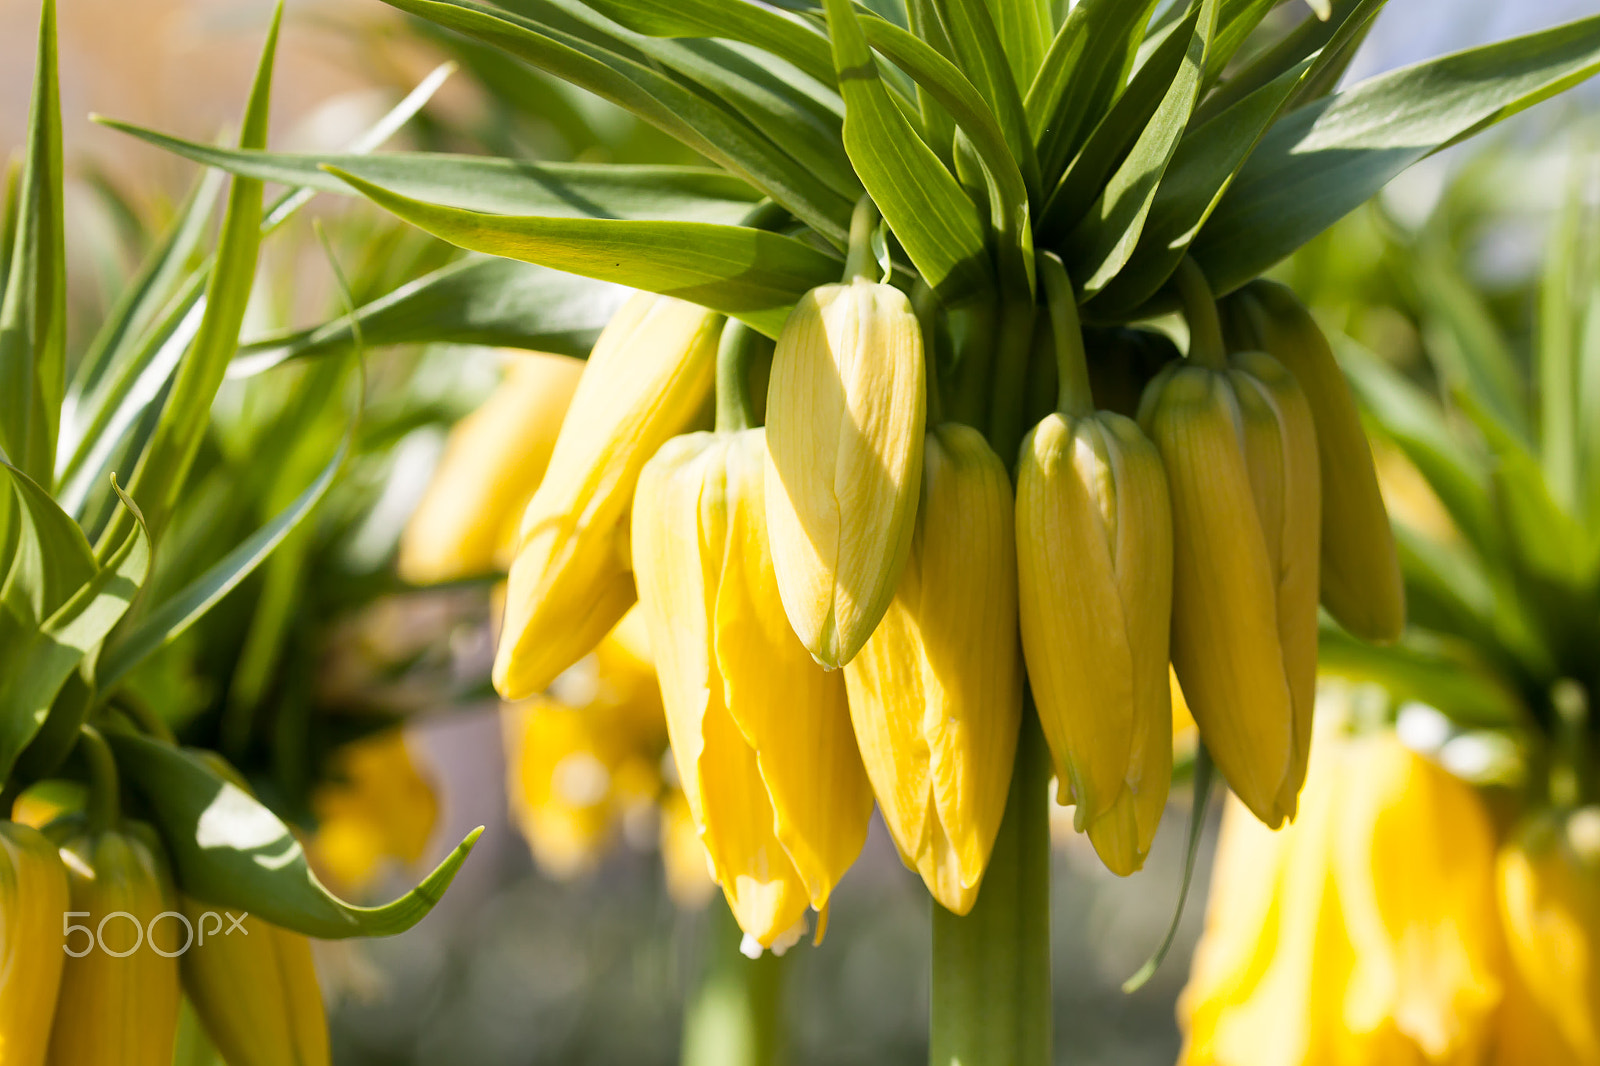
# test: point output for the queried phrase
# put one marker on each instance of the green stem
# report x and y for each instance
(926, 306)
(735, 406)
(991, 999)
(1072, 365)
(1200, 310)
(859, 261)
(104, 786)
(735, 1016)
(1010, 396)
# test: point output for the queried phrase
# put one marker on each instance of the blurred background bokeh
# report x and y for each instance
(516, 965)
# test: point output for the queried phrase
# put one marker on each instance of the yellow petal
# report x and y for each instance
(1225, 642)
(647, 380)
(378, 806)
(33, 897)
(936, 693)
(494, 461)
(845, 409)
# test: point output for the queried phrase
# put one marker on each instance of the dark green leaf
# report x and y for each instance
(1319, 162)
(33, 310)
(751, 274)
(1103, 241)
(477, 300)
(1086, 67)
(925, 206)
(735, 19)
(230, 851)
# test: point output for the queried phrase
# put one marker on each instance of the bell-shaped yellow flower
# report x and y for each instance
(936, 693)
(467, 522)
(1549, 895)
(1363, 933)
(118, 1004)
(33, 897)
(255, 990)
(377, 807)
(1094, 556)
(845, 417)
(648, 379)
(760, 733)
(1240, 453)
(1360, 583)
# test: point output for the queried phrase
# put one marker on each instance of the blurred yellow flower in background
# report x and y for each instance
(1363, 933)
(377, 806)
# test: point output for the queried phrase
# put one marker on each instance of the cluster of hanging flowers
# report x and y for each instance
(109, 990)
(847, 596)
(1395, 921)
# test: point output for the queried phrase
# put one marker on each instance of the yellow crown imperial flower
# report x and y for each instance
(33, 897)
(118, 1004)
(760, 733)
(255, 990)
(845, 420)
(1361, 584)
(467, 522)
(1094, 557)
(648, 379)
(1240, 450)
(1362, 933)
(1548, 890)
(936, 693)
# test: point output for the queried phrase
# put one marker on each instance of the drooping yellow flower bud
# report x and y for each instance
(936, 693)
(1240, 453)
(255, 989)
(760, 733)
(1549, 897)
(33, 897)
(467, 523)
(378, 807)
(845, 418)
(1363, 933)
(1094, 558)
(118, 1004)
(1361, 584)
(648, 379)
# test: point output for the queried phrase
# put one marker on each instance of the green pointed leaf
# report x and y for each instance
(1102, 243)
(164, 466)
(751, 274)
(230, 851)
(38, 652)
(1318, 163)
(1207, 159)
(1084, 70)
(1236, 20)
(1117, 131)
(477, 300)
(489, 184)
(733, 19)
(33, 308)
(659, 99)
(1024, 28)
(982, 55)
(925, 206)
(1463, 341)
(163, 624)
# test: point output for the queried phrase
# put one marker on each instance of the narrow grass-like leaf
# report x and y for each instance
(164, 466)
(751, 274)
(1442, 674)
(230, 851)
(1117, 132)
(498, 186)
(1207, 159)
(1081, 74)
(1463, 341)
(477, 300)
(1309, 38)
(59, 604)
(663, 101)
(1318, 163)
(981, 54)
(1203, 773)
(33, 307)
(1101, 244)
(929, 212)
(1557, 339)
(735, 19)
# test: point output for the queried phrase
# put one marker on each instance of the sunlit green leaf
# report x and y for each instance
(736, 19)
(999, 77)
